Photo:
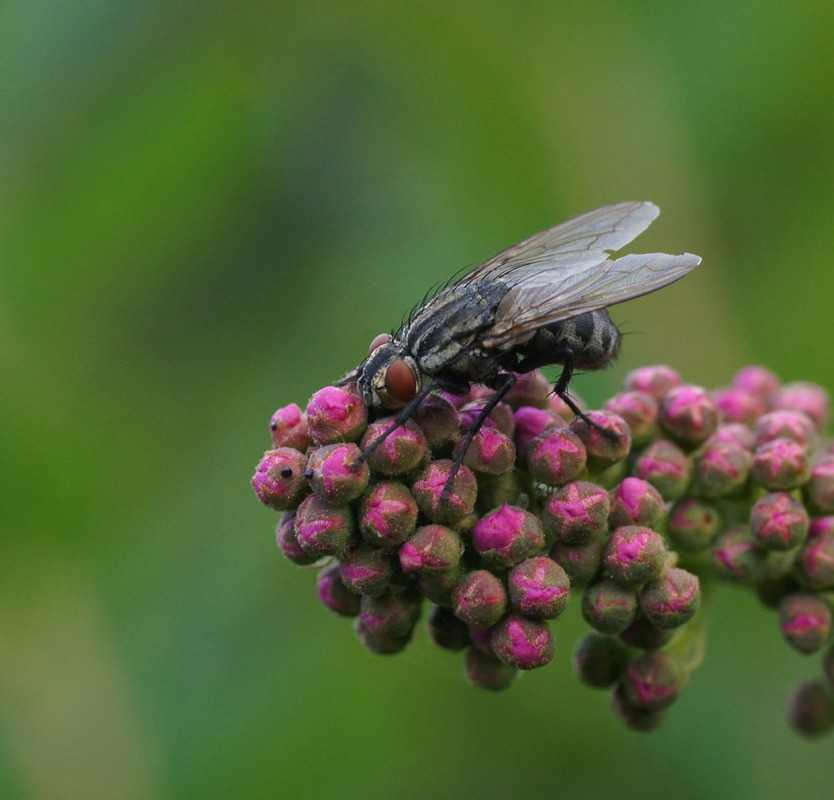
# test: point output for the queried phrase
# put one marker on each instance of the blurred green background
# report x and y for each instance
(208, 210)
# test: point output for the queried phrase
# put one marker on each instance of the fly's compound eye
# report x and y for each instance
(400, 381)
(378, 341)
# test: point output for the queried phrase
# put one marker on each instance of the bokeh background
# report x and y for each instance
(207, 210)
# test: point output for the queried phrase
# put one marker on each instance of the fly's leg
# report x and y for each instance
(560, 388)
(502, 384)
(402, 417)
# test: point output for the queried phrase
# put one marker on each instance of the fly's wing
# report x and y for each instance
(543, 296)
(570, 246)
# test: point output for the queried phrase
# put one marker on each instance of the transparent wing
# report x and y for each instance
(571, 246)
(545, 296)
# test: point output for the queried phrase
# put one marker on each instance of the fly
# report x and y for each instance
(540, 302)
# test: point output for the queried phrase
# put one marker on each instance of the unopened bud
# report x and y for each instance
(532, 389)
(819, 491)
(576, 512)
(608, 606)
(335, 415)
(652, 680)
(778, 521)
(810, 708)
(603, 449)
(640, 411)
(530, 422)
(671, 599)
(581, 561)
(781, 464)
(815, 561)
(446, 630)
(634, 554)
(323, 529)
(432, 549)
(392, 615)
(402, 451)
(288, 542)
(809, 398)
(380, 644)
(336, 474)
(438, 420)
(367, 570)
(689, 415)
(501, 417)
(636, 502)
(486, 671)
(786, 424)
(522, 642)
(507, 536)
(556, 456)
(666, 467)
(490, 452)
(654, 380)
(289, 428)
(435, 502)
(735, 554)
(738, 405)
(388, 515)
(634, 717)
(479, 599)
(643, 635)
(733, 433)
(539, 588)
(335, 595)
(805, 620)
(599, 660)
(722, 469)
(758, 381)
(693, 523)
(279, 478)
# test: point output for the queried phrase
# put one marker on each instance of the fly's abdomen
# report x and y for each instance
(592, 340)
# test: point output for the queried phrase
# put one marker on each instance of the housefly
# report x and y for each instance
(542, 301)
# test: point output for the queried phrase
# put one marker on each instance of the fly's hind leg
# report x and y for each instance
(564, 356)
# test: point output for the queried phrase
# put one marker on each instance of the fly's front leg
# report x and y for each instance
(502, 384)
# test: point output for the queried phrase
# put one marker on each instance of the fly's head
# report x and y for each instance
(388, 377)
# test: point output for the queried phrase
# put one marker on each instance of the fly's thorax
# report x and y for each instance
(444, 334)
(389, 377)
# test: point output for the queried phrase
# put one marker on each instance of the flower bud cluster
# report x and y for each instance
(635, 509)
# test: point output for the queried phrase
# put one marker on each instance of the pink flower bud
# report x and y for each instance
(279, 478)
(634, 554)
(576, 512)
(640, 411)
(289, 428)
(367, 570)
(402, 451)
(778, 521)
(738, 405)
(556, 456)
(603, 449)
(522, 642)
(323, 529)
(432, 549)
(336, 414)
(336, 474)
(689, 415)
(486, 671)
(435, 502)
(671, 599)
(666, 467)
(335, 595)
(507, 536)
(635, 502)
(655, 381)
(479, 599)
(819, 491)
(490, 452)
(539, 588)
(530, 422)
(388, 515)
(805, 620)
(757, 381)
(809, 398)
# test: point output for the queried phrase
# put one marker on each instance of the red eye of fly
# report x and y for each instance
(400, 382)
(378, 341)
